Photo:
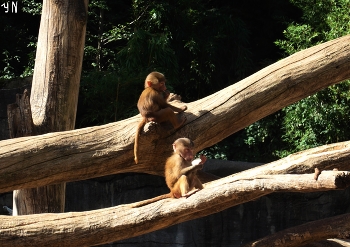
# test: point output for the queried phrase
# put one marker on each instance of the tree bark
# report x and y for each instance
(19, 116)
(334, 227)
(17, 172)
(108, 149)
(55, 88)
(126, 221)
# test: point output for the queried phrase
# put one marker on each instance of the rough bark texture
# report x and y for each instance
(19, 173)
(54, 93)
(121, 222)
(7, 96)
(334, 227)
(20, 117)
(107, 149)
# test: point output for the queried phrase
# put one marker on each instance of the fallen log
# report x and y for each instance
(326, 157)
(126, 221)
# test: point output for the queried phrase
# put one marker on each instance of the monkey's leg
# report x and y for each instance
(183, 185)
(197, 183)
(194, 186)
(175, 190)
(167, 114)
(176, 109)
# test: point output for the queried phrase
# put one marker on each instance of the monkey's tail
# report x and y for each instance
(136, 144)
(152, 200)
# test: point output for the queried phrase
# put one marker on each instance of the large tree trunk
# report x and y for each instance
(126, 221)
(108, 149)
(55, 89)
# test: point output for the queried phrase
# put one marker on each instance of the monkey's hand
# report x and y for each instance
(198, 163)
(203, 158)
(172, 97)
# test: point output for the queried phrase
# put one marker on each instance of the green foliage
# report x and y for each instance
(102, 36)
(161, 36)
(8, 69)
(106, 97)
(298, 37)
(147, 52)
(33, 7)
(19, 39)
(323, 20)
(205, 41)
(321, 118)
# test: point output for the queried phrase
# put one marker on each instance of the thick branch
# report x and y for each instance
(103, 150)
(327, 157)
(121, 222)
(22, 175)
(334, 227)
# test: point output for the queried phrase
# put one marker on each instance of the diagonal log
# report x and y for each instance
(124, 221)
(97, 151)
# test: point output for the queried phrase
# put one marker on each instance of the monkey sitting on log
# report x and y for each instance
(153, 106)
(180, 172)
(181, 169)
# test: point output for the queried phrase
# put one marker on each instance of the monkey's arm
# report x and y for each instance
(189, 169)
(163, 103)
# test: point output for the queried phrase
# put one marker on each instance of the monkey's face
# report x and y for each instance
(160, 86)
(187, 153)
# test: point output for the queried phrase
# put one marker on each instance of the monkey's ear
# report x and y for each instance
(174, 147)
(149, 83)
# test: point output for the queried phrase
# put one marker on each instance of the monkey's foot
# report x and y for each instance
(183, 108)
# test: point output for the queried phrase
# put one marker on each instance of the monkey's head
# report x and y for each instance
(156, 80)
(184, 147)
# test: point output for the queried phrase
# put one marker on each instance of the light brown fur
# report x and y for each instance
(180, 173)
(153, 106)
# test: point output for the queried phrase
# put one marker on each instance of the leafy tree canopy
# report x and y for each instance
(321, 118)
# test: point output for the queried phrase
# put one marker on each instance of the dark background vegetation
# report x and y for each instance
(201, 46)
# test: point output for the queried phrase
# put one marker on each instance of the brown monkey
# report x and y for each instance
(153, 106)
(180, 172)
(166, 94)
(181, 169)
